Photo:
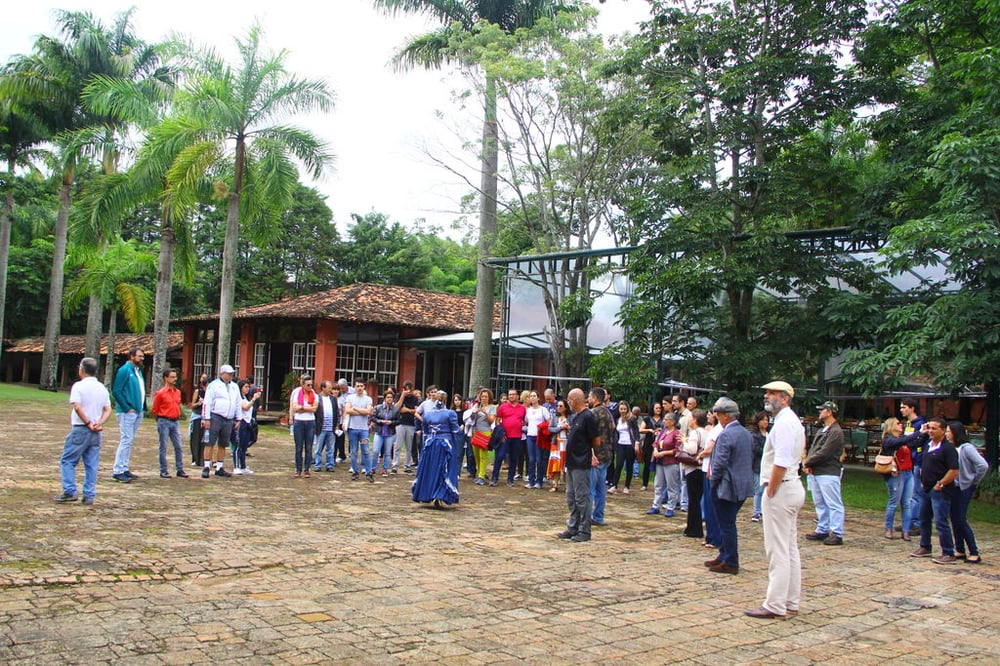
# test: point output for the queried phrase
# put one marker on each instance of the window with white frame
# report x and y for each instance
(388, 367)
(236, 360)
(367, 362)
(260, 363)
(304, 356)
(203, 361)
(345, 362)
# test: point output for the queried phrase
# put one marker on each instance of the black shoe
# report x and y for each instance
(65, 497)
(354, 476)
(205, 472)
(370, 476)
(222, 472)
(122, 478)
(566, 535)
(833, 540)
(580, 538)
(87, 501)
(817, 536)
(182, 474)
(165, 475)
(130, 475)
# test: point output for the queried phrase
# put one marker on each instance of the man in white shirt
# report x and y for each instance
(357, 411)
(783, 498)
(91, 408)
(220, 414)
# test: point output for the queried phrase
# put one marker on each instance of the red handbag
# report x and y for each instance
(481, 440)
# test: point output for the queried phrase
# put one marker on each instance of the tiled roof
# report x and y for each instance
(74, 344)
(371, 303)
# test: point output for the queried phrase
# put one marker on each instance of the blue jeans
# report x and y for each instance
(358, 441)
(383, 445)
(964, 538)
(325, 440)
(167, 429)
(598, 492)
(507, 450)
(128, 425)
(305, 433)
(80, 443)
(825, 490)
(758, 493)
(536, 463)
(917, 499)
(726, 512)
(900, 489)
(936, 507)
(712, 533)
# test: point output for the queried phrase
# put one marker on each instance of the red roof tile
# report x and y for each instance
(371, 303)
(74, 344)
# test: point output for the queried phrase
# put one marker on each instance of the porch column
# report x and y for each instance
(248, 339)
(327, 331)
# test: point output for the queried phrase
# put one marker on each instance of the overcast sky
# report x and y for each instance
(383, 121)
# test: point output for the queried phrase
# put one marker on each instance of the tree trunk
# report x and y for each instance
(50, 353)
(92, 338)
(482, 336)
(109, 364)
(6, 220)
(161, 314)
(230, 248)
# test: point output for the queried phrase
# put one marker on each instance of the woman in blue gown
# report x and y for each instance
(440, 456)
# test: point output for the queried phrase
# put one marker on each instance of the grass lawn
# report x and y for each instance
(863, 488)
(29, 393)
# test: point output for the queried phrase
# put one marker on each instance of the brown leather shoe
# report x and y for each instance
(763, 614)
(712, 563)
(724, 568)
(817, 536)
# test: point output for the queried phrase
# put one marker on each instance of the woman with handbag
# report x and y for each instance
(481, 416)
(694, 478)
(649, 429)
(972, 467)
(898, 484)
(559, 429)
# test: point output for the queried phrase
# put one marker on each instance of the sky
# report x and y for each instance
(384, 123)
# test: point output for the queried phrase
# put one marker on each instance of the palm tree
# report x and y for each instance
(112, 275)
(228, 131)
(50, 82)
(432, 50)
(19, 134)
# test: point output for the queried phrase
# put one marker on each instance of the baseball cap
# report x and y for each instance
(829, 404)
(780, 386)
(227, 369)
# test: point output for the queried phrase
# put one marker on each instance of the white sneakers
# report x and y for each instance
(245, 470)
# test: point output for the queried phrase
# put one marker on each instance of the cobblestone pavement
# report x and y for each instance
(271, 569)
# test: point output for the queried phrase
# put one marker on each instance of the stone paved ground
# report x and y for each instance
(270, 569)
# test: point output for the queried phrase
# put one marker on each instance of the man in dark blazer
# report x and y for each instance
(731, 477)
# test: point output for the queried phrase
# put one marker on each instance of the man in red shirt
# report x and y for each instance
(511, 415)
(167, 409)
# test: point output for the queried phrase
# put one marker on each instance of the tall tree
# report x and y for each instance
(433, 50)
(19, 136)
(228, 130)
(731, 88)
(934, 65)
(50, 83)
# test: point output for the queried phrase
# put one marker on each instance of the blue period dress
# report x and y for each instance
(440, 462)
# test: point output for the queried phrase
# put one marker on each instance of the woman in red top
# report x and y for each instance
(900, 486)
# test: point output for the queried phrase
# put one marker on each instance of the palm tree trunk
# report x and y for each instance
(164, 286)
(482, 336)
(109, 363)
(50, 353)
(92, 338)
(6, 217)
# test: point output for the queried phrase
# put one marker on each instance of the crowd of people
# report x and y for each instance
(704, 463)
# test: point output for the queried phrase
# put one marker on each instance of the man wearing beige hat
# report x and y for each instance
(783, 498)
(823, 467)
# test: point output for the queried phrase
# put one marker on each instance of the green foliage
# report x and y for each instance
(627, 373)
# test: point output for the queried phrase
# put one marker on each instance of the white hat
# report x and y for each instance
(780, 386)
(227, 369)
